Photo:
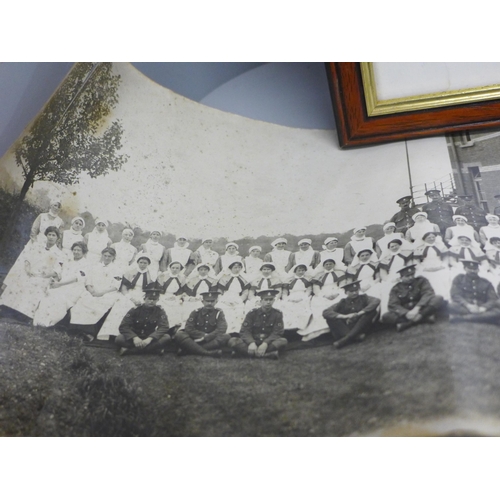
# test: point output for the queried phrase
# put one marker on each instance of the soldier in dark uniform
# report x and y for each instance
(496, 210)
(205, 331)
(473, 298)
(438, 211)
(144, 329)
(475, 215)
(403, 218)
(261, 335)
(411, 301)
(351, 318)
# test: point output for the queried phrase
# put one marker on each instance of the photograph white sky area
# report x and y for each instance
(200, 171)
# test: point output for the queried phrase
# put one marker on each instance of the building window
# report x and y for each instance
(465, 139)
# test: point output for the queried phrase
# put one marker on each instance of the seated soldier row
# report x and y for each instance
(412, 301)
(146, 329)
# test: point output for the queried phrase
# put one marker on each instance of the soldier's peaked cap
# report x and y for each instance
(407, 268)
(470, 264)
(267, 293)
(210, 295)
(464, 196)
(432, 191)
(404, 198)
(353, 285)
(152, 290)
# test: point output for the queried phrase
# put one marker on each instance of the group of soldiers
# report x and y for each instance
(146, 329)
(440, 212)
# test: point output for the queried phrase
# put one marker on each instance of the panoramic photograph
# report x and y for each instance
(171, 269)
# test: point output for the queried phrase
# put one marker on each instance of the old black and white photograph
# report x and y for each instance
(174, 265)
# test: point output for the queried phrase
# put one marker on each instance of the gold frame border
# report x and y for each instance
(418, 102)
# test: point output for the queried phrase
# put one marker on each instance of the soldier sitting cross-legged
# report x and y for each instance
(412, 300)
(205, 330)
(473, 298)
(144, 329)
(261, 335)
(351, 318)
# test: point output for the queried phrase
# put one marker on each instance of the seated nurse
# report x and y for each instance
(65, 290)
(134, 284)
(42, 262)
(102, 285)
(172, 283)
(234, 290)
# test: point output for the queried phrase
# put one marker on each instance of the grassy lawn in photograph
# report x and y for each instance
(54, 385)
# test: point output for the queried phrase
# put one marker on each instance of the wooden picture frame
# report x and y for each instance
(356, 128)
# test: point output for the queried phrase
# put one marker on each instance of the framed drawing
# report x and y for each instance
(363, 117)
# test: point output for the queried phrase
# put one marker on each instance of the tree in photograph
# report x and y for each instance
(72, 135)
